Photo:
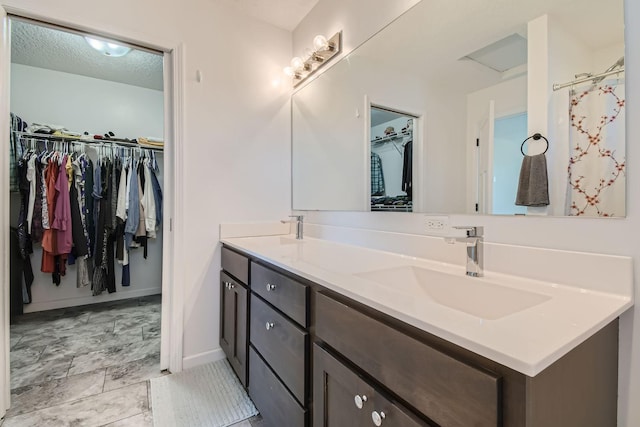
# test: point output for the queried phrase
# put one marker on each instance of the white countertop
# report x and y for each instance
(527, 341)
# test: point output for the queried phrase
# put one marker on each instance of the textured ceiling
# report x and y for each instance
(44, 47)
(285, 14)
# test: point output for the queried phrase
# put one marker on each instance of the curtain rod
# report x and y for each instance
(89, 143)
(586, 79)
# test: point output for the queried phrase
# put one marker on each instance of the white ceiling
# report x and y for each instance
(44, 47)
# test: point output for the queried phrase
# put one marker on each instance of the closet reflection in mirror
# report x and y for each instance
(391, 160)
(493, 61)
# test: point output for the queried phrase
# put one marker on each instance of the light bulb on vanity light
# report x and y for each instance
(297, 63)
(320, 43)
(311, 60)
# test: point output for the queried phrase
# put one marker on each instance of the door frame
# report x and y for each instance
(418, 161)
(171, 352)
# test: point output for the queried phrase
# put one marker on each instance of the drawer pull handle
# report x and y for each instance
(269, 325)
(229, 285)
(360, 400)
(378, 418)
(270, 287)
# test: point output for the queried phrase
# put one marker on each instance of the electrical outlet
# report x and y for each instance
(436, 224)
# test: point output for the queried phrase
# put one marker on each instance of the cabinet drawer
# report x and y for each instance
(284, 293)
(277, 406)
(342, 397)
(449, 392)
(282, 344)
(235, 264)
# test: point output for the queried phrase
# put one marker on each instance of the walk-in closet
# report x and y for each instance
(86, 202)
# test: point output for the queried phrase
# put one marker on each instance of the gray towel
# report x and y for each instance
(533, 186)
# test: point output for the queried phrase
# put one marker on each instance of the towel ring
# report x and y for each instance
(535, 136)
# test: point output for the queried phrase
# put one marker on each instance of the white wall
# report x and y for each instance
(329, 169)
(237, 133)
(609, 236)
(82, 103)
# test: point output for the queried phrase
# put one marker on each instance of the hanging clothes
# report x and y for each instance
(407, 170)
(16, 149)
(37, 217)
(104, 273)
(62, 214)
(377, 177)
(49, 237)
(85, 214)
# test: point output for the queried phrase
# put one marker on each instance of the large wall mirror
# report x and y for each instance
(453, 93)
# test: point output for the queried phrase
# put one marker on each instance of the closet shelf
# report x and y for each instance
(391, 208)
(96, 142)
(391, 137)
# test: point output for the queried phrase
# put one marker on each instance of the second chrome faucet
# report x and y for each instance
(299, 220)
(473, 240)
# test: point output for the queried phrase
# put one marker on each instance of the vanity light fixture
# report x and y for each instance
(108, 48)
(313, 60)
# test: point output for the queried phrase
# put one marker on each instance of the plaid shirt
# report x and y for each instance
(377, 178)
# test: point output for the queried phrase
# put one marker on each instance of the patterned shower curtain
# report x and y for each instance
(596, 171)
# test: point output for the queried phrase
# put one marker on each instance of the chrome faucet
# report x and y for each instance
(299, 219)
(473, 239)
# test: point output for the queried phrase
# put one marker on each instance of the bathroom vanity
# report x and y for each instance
(321, 339)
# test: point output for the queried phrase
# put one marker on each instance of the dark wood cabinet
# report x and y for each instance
(282, 344)
(233, 312)
(233, 324)
(276, 405)
(342, 398)
(451, 392)
(284, 293)
(316, 357)
(279, 347)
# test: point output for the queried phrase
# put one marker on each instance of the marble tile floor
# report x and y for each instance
(87, 366)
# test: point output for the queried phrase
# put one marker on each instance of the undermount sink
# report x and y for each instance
(476, 296)
(289, 241)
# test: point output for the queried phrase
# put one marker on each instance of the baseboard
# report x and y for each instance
(202, 358)
(73, 302)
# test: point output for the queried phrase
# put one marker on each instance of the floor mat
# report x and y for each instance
(209, 395)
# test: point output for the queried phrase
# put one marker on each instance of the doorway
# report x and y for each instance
(139, 301)
(391, 167)
(506, 163)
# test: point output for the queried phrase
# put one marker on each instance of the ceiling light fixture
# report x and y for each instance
(312, 60)
(108, 48)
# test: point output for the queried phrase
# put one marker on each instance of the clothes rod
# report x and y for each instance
(586, 79)
(95, 142)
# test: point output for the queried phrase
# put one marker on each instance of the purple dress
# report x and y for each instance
(62, 215)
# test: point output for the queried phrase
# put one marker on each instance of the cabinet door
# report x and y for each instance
(233, 324)
(342, 398)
